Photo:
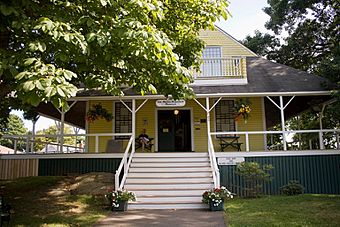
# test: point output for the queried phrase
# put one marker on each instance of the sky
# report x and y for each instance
(246, 17)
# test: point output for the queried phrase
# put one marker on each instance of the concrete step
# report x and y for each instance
(168, 169)
(168, 175)
(170, 199)
(168, 160)
(136, 206)
(168, 180)
(171, 164)
(133, 187)
(176, 192)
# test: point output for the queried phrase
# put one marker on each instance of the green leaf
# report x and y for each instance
(29, 61)
(103, 2)
(41, 46)
(69, 75)
(152, 89)
(21, 75)
(90, 37)
(50, 91)
(28, 86)
(61, 92)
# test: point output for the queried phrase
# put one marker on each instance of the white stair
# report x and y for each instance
(169, 180)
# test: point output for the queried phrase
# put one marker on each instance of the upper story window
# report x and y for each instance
(211, 57)
(123, 119)
(224, 114)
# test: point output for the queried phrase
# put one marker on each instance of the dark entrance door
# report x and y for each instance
(174, 130)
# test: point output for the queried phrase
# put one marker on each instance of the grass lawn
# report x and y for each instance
(300, 210)
(44, 201)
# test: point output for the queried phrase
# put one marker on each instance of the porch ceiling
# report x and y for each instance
(75, 116)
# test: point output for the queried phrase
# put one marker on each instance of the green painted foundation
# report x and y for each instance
(317, 173)
(65, 166)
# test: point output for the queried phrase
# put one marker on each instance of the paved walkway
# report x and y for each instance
(164, 218)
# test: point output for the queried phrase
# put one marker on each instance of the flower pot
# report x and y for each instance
(219, 207)
(122, 206)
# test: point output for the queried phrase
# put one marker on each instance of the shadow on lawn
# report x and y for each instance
(44, 201)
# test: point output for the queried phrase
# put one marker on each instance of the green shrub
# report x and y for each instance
(292, 188)
(254, 175)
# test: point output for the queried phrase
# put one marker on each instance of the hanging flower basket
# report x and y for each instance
(242, 110)
(96, 112)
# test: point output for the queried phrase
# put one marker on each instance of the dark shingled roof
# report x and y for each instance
(263, 76)
(268, 76)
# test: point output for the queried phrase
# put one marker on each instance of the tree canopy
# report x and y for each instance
(50, 48)
(14, 126)
(310, 34)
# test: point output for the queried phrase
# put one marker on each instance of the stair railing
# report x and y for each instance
(213, 163)
(124, 163)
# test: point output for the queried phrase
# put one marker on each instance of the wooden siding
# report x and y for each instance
(317, 173)
(254, 123)
(15, 168)
(147, 115)
(100, 126)
(230, 47)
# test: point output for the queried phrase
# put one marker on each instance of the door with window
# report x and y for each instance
(212, 62)
(174, 130)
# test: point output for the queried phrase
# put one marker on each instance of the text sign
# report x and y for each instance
(229, 161)
(170, 103)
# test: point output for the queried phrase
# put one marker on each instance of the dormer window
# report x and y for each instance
(211, 57)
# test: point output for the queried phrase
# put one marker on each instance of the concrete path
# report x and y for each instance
(165, 218)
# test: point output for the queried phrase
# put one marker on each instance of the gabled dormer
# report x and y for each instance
(223, 60)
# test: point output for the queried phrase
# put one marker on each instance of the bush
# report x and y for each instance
(254, 175)
(292, 188)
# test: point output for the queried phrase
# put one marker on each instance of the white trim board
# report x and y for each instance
(276, 153)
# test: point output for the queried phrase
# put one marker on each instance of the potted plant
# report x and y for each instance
(215, 198)
(118, 200)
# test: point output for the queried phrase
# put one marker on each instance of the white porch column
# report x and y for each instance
(61, 133)
(133, 124)
(207, 106)
(283, 126)
(322, 146)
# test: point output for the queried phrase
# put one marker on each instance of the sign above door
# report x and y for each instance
(170, 103)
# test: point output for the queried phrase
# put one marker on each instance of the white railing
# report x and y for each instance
(124, 163)
(213, 163)
(60, 148)
(220, 67)
(335, 132)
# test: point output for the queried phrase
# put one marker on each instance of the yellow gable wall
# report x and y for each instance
(230, 47)
(146, 119)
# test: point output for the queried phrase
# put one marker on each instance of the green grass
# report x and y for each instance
(300, 210)
(43, 201)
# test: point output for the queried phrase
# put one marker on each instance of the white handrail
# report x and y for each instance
(36, 137)
(220, 67)
(214, 166)
(247, 133)
(119, 186)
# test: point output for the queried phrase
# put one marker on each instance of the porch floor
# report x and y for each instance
(164, 218)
